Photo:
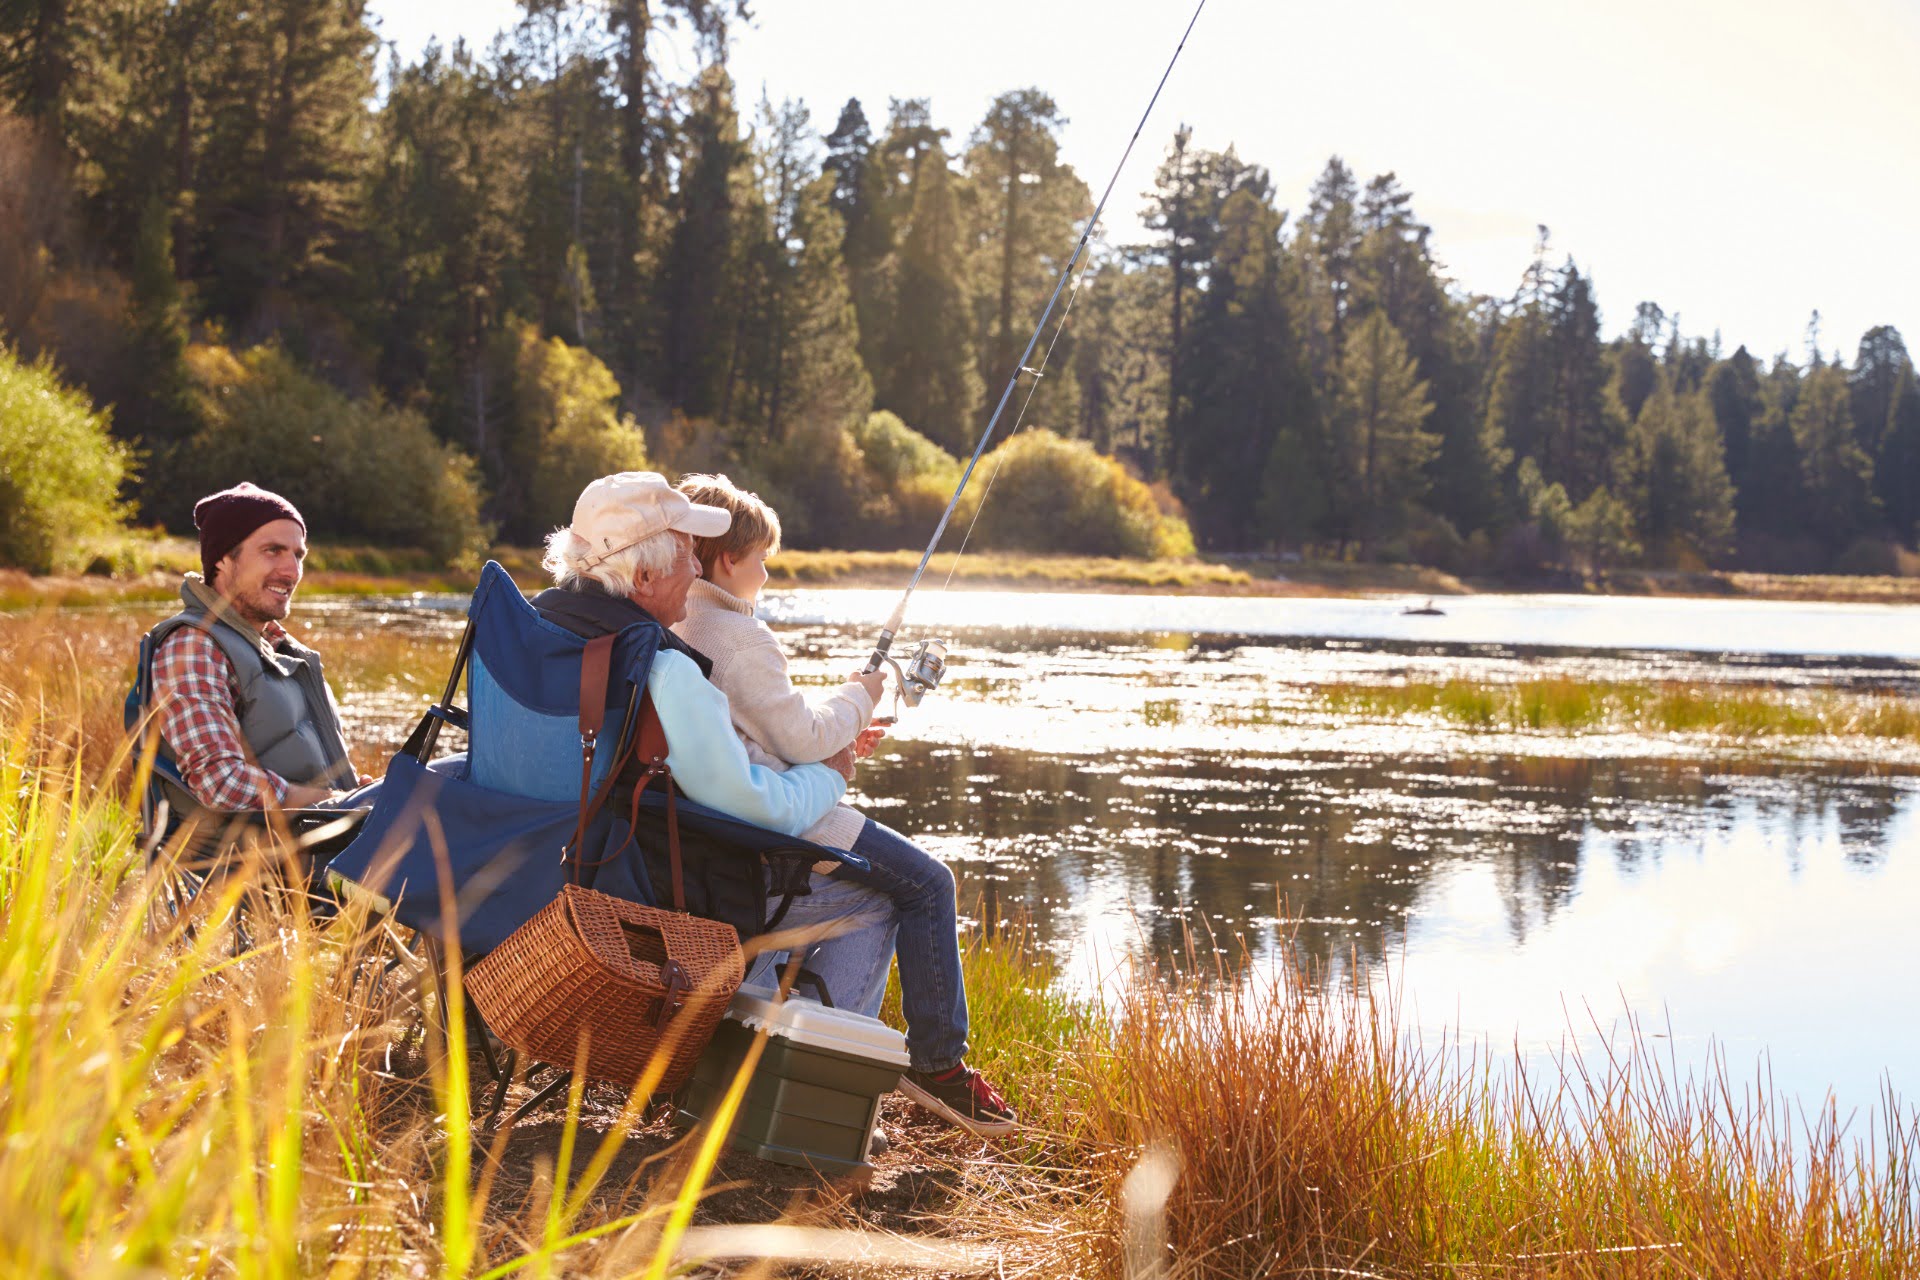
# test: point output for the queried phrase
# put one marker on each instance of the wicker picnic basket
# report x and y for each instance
(630, 982)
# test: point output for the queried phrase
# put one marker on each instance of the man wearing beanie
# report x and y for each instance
(245, 712)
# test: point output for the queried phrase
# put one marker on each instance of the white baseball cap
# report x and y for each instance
(623, 510)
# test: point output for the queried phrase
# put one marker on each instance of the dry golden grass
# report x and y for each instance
(1301, 1134)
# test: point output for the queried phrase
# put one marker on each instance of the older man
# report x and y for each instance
(245, 712)
(628, 557)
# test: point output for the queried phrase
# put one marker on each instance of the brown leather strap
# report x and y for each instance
(643, 714)
(673, 847)
(653, 753)
(650, 752)
(595, 662)
(648, 749)
(651, 741)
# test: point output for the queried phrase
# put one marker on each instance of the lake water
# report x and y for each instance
(1132, 771)
(1090, 762)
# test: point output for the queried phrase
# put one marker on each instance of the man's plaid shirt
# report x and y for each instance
(196, 691)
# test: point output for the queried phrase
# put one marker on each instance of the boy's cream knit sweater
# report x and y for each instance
(780, 727)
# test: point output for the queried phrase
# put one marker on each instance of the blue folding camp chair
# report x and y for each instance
(491, 825)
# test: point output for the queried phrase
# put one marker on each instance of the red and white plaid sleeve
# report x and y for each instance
(195, 689)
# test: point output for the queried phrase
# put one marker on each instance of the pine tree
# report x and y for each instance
(822, 378)
(1190, 189)
(1247, 453)
(1773, 491)
(642, 131)
(823, 388)
(1328, 245)
(1379, 418)
(804, 367)
(284, 154)
(1120, 360)
(886, 194)
(1682, 499)
(926, 370)
(1520, 387)
(848, 147)
(566, 146)
(1872, 396)
(437, 263)
(705, 274)
(1635, 370)
(1896, 472)
(1392, 253)
(1395, 275)
(1836, 472)
(1733, 392)
(1174, 211)
(1871, 385)
(1584, 436)
(37, 57)
(1027, 205)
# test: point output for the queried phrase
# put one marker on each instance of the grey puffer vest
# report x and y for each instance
(287, 714)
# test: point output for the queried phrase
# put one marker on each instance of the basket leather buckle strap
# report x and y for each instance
(674, 987)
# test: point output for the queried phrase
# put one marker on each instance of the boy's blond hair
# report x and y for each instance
(754, 523)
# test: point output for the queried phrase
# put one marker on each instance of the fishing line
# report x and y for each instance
(900, 610)
(1019, 420)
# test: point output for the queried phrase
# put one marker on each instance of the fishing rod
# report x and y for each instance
(929, 660)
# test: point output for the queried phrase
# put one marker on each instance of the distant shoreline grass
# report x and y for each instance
(147, 569)
(1568, 705)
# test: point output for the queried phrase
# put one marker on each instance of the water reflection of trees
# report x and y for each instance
(1337, 854)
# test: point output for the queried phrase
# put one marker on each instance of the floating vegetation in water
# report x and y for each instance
(1568, 705)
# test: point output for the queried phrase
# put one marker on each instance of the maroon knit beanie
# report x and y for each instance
(228, 518)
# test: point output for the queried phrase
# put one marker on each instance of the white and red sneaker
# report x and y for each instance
(961, 1096)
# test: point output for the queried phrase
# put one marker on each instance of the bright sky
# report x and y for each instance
(1741, 162)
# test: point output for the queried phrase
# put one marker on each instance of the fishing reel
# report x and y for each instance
(921, 675)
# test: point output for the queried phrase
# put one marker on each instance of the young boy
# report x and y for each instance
(782, 728)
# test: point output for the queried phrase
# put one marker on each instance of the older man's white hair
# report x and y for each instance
(571, 561)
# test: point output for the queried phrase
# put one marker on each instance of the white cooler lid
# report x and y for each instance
(813, 1024)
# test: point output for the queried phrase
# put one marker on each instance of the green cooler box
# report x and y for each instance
(815, 1096)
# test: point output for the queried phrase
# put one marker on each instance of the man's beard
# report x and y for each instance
(261, 605)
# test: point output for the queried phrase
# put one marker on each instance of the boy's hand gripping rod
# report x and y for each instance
(929, 662)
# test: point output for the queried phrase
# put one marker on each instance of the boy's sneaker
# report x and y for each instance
(961, 1096)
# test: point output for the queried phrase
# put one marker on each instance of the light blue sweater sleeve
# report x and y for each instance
(710, 765)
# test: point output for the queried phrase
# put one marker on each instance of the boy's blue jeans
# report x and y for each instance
(904, 904)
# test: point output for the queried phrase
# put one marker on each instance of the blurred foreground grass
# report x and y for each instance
(243, 1089)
